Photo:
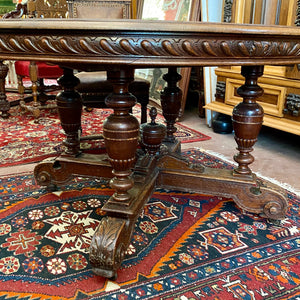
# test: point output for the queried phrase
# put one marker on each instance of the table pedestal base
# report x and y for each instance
(170, 171)
(135, 173)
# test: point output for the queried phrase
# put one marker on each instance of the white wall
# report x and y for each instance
(211, 11)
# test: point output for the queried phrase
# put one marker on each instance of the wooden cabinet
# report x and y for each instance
(281, 84)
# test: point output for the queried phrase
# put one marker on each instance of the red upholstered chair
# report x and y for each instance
(37, 72)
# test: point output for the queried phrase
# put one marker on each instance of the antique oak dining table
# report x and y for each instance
(119, 47)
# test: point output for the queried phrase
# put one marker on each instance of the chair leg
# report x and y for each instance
(42, 97)
(34, 79)
(34, 109)
(141, 92)
(4, 103)
(21, 90)
(39, 97)
(144, 103)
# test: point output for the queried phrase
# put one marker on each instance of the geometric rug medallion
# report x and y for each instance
(184, 246)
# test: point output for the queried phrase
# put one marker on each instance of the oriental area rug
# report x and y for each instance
(185, 245)
(24, 141)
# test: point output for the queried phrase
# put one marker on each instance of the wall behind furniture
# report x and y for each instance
(211, 11)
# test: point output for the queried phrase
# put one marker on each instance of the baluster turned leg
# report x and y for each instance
(120, 132)
(70, 108)
(171, 102)
(247, 119)
(4, 104)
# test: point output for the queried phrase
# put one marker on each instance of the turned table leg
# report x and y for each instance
(120, 132)
(69, 106)
(249, 193)
(4, 104)
(171, 102)
(247, 119)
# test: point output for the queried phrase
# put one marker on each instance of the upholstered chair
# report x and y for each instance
(37, 72)
(93, 85)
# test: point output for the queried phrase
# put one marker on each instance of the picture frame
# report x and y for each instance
(177, 10)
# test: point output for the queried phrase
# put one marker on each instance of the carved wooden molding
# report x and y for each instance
(102, 45)
(152, 47)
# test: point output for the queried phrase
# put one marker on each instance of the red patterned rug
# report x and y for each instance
(185, 245)
(23, 141)
(13, 98)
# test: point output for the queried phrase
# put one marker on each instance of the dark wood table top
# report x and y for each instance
(86, 44)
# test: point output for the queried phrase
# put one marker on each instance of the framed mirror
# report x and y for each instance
(177, 10)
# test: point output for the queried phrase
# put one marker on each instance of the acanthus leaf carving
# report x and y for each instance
(67, 46)
(5, 46)
(125, 44)
(258, 47)
(107, 248)
(187, 47)
(243, 49)
(146, 45)
(46, 43)
(282, 48)
(271, 48)
(86, 46)
(131, 46)
(31, 46)
(226, 49)
(208, 49)
(16, 45)
(265, 48)
(168, 46)
(107, 46)
(295, 50)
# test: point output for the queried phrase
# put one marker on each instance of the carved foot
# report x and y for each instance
(268, 202)
(64, 168)
(109, 244)
(49, 174)
(248, 193)
(274, 204)
(113, 235)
